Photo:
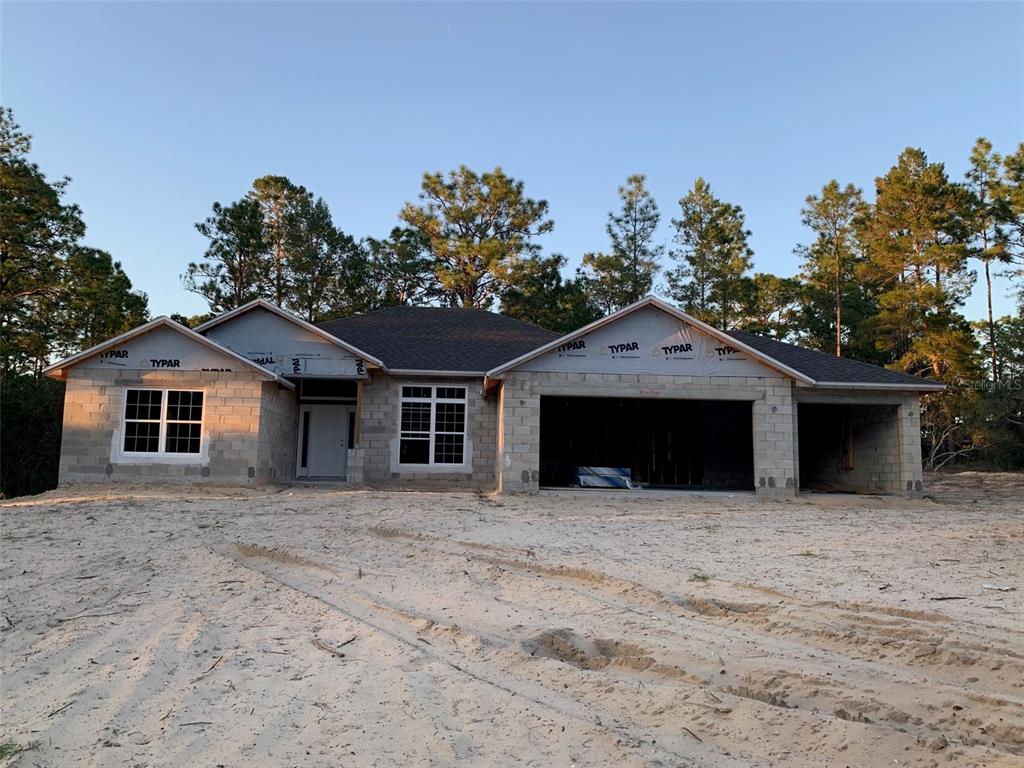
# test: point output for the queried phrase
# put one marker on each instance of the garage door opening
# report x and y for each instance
(684, 444)
(848, 448)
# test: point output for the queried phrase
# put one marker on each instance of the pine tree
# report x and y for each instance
(989, 218)
(626, 274)
(327, 270)
(770, 305)
(56, 296)
(478, 226)
(37, 228)
(916, 239)
(830, 261)
(539, 294)
(712, 257)
(402, 269)
(1012, 186)
(97, 301)
(235, 267)
(281, 204)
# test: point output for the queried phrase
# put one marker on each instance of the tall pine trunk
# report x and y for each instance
(991, 325)
(839, 306)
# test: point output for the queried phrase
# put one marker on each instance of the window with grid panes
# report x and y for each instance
(162, 421)
(433, 425)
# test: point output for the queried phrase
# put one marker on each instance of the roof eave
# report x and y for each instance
(909, 386)
(438, 373)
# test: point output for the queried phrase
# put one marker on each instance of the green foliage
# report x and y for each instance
(36, 230)
(836, 305)
(98, 301)
(192, 321)
(770, 305)
(10, 748)
(712, 257)
(280, 243)
(916, 241)
(234, 268)
(1012, 189)
(402, 269)
(56, 297)
(539, 294)
(283, 207)
(477, 227)
(988, 219)
(328, 273)
(31, 409)
(1004, 401)
(626, 274)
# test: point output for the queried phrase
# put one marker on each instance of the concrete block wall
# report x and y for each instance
(775, 440)
(355, 468)
(774, 428)
(518, 459)
(876, 448)
(908, 416)
(374, 458)
(887, 439)
(278, 436)
(94, 405)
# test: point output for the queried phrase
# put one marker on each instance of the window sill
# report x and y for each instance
(159, 458)
(439, 469)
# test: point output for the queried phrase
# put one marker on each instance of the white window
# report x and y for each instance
(162, 421)
(433, 425)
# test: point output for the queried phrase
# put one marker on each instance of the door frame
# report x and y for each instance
(307, 425)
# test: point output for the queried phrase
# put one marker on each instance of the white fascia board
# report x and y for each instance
(497, 373)
(158, 322)
(274, 309)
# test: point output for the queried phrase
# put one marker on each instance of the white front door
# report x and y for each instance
(327, 441)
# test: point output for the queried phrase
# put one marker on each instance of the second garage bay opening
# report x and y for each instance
(684, 444)
(849, 448)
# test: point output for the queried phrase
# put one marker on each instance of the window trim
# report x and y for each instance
(162, 455)
(433, 400)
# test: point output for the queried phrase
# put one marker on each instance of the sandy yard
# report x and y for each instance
(183, 627)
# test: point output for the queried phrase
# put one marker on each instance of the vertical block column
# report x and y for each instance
(909, 433)
(519, 455)
(775, 442)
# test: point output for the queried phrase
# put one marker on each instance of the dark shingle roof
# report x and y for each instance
(827, 368)
(476, 341)
(439, 338)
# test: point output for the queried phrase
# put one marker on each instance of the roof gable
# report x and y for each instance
(277, 340)
(160, 344)
(260, 330)
(650, 336)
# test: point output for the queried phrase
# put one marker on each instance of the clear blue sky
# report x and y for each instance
(156, 110)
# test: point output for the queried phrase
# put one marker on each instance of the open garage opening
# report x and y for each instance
(849, 448)
(681, 444)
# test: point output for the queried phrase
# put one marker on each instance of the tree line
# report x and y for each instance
(883, 281)
(57, 296)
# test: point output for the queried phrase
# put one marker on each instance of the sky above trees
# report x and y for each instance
(156, 110)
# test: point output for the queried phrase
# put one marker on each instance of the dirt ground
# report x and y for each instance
(318, 627)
